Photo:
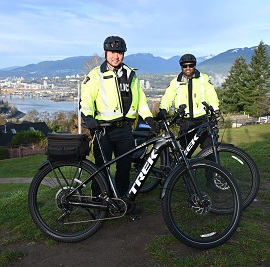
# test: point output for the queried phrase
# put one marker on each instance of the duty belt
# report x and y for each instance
(120, 124)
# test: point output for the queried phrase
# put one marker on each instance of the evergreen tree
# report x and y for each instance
(234, 88)
(247, 87)
(258, 82)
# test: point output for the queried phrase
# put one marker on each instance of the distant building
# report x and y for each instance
(147, 85)
(142, 84)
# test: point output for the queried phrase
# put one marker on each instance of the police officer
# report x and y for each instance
(112, 93)
(190, 87)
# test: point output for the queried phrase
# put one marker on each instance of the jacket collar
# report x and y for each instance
(130, 72)
(104, 66)
(180, 77)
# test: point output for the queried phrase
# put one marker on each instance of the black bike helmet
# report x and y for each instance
(187, 58)
(115, 43)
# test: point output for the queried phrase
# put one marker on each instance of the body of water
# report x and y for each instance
(40, 104)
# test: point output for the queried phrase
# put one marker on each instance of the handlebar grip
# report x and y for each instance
(181, 110)
(182, 107)
(208, 108)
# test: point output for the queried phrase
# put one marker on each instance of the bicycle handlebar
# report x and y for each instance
(179, 113)
(208, 109)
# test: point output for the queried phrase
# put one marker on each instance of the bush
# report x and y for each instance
(4, 154)
(27, 138)
(226, 122)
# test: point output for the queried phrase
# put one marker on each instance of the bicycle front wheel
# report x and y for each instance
(241, 166)
(65, 217)
(201, 223)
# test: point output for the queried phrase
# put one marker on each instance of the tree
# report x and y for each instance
(259, 82)
(44, 116)
(62, 121)
(92, 63)
(234, 87)
(3, 119)
(32, 116)
(245, 88)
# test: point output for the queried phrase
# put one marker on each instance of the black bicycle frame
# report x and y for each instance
(194, 142)
(159, 143)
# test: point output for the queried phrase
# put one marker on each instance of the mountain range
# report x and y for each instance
(143, 62)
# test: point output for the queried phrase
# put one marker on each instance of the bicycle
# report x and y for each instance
(64, 206)
(237, 161)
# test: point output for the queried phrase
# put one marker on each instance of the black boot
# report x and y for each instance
(132, 208)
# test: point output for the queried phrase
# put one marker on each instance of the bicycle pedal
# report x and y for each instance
(134, 217)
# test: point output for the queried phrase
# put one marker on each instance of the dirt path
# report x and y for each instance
(118, 244)
(15, 180)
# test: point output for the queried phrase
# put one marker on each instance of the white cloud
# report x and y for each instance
(35, 29)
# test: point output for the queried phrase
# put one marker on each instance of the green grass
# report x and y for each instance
(8, 257)
(243, 136)
(14, 211)
(248, 247)
(20, 167)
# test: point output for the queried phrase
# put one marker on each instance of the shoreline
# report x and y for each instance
(18, 115)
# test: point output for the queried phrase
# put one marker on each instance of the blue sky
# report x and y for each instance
(37, 30)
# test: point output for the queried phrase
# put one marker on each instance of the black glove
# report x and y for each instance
(90, 122)
(162, 114)
(153, 124)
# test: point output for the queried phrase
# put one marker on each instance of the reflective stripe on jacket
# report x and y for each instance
(101, 97)
(202, 90)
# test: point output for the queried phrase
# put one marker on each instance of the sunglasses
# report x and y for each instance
(188, 65)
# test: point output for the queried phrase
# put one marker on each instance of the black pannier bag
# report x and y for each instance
(67, 147)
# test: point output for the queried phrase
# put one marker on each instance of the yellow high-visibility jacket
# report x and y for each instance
(101, 97)
(202, 90)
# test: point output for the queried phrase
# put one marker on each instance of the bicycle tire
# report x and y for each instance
(50, 209)
(201, 226)
(241, 166)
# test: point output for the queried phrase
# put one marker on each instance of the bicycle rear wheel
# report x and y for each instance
(241, 166)
(62, 217)
(197, 224)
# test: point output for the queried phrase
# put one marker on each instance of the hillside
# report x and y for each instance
(143, 62)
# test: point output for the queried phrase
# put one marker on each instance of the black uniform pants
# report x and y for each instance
(117, 141)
